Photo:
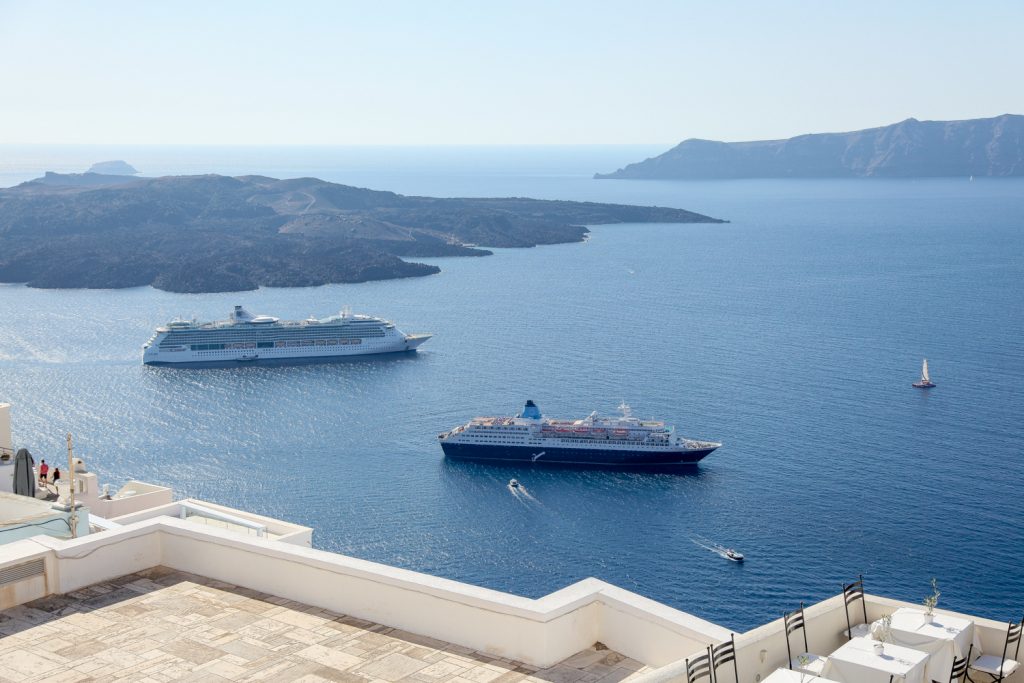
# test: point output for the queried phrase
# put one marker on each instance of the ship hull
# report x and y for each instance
(227, 357)
(575, 457)
(283, 361)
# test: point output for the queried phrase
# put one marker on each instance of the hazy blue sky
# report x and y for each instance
(435, 72)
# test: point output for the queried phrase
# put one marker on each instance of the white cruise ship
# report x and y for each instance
(245, 338)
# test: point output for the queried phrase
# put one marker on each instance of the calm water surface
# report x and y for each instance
(791, 334)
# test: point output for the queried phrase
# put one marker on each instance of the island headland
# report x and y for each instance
(214, 233)
(908, 149)
(117, 167)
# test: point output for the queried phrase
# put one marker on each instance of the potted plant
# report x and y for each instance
(881, 631)
(932, 600)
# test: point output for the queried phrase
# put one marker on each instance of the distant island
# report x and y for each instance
(112, 168)
(908, 149)
(216, 233)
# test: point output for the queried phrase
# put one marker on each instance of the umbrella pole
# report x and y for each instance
(73, 517)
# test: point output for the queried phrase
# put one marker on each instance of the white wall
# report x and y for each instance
(20, 592)
(5, 427)
(88, 491)
(286, 532)
(81, 562)
(540, 632)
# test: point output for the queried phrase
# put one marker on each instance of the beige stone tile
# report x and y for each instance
(19, 665)
(67, 676)
(336, 676)
(511, 676)
(481, 674)
(583, 659)
(615, 676)
(224, 668)
(560, 674)
(300, 619)
(246, 649)
(162, 625)
(336, 659)
(305, 636)
(440, 671)
(424, 641)
(416, 651)
(191, 651)
(282, 670)
(391, 667)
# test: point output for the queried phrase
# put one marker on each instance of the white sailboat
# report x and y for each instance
(925, 382)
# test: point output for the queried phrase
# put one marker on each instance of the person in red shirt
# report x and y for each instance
(44, 469)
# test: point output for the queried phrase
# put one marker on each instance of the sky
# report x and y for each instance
(439, 72)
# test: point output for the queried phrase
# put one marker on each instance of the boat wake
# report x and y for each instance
(718, 549)
(522, 495)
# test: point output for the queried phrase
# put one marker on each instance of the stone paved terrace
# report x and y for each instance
(164, 625)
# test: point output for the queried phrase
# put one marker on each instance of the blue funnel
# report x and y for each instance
(531, 411)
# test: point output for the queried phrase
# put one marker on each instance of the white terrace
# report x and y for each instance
(175, 594)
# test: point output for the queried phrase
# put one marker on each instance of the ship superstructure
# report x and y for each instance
(621, 441)
(245, 337)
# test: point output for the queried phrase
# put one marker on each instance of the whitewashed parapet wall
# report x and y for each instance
(6, 443)
(539, 632)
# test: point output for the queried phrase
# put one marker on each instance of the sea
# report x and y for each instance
(791, 334)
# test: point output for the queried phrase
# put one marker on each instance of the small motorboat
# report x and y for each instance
(733, 555)
(513, 483)
(248, 358)
(925, 382)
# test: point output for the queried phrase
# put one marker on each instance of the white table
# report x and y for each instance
(790, 676)
(943, 637)
(856, 662)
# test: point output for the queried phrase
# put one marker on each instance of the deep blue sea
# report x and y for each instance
(792, 334)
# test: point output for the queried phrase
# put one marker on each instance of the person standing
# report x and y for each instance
(44, 469)
(56, 475)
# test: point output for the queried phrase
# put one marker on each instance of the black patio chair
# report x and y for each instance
(699, 667)
(851, 593)
(806, 662)
(956, 673)
(722, 654)
(999, 668)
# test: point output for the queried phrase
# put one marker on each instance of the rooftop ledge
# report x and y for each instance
(540, 633)
(552, 637)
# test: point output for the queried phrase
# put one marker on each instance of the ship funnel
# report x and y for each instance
(531, 411)
(240, 314)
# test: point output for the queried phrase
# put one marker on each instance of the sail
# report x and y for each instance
(924, 371)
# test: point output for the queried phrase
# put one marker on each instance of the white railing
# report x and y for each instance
(202, 511)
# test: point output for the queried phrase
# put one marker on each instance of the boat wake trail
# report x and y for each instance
(528, 496)
(716, 548)
(523, 496)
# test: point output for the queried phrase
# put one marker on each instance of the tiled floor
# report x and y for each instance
(163, 625)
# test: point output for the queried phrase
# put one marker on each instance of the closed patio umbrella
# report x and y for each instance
(24, 476)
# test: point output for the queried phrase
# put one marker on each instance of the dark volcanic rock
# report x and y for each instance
(216, 233)
(911, 148)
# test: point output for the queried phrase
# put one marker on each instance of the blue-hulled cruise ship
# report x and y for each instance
(623, 441)
(245, 337)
